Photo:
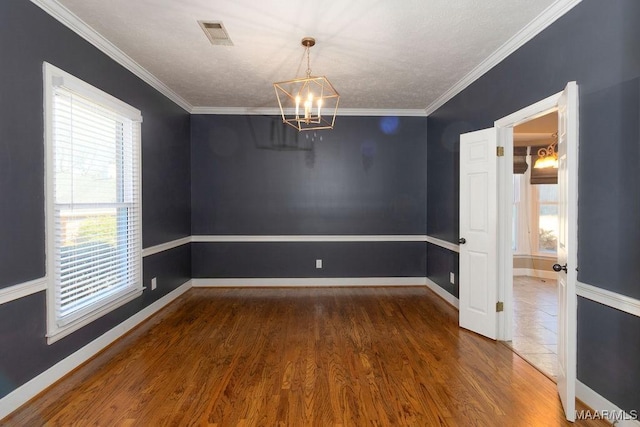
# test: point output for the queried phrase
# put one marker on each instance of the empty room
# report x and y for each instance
(332, 213)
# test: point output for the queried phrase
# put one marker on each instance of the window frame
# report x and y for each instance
(54, 77)
(535, 222)
(527, 219)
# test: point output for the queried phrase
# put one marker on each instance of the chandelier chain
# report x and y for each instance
(308, 63)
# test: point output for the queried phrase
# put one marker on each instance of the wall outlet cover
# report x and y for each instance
(154, 283)
(452, 278)
(318, 263)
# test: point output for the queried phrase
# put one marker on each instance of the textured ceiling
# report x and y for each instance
(378, 54)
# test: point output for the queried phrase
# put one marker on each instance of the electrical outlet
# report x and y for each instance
(318, 263)
(154, 283)
(452, 278)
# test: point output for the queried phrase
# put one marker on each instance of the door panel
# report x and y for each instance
(477, 296)
(478, 226)
(567, 246)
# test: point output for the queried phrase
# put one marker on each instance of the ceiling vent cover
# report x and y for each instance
(216, 33)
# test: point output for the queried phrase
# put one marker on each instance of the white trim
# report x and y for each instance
(22, 290)
(71, 21)
(533, 111)
(567, 314)
(152, 250)
(505, 198)
(611, 299)
(602, 407)
(57, 77)
(264, 111)
(240, 111)
(308, 282)
(309, 238)
(29, 390)
(439, 290)
(59, 332)
(443, 244)
(542, 274)
(54, 78)
(542, 21)
(416, 112)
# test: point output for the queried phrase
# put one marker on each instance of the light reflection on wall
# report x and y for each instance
(389, 125)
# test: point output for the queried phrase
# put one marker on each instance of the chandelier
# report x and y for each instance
(308, 103)
(548, 157)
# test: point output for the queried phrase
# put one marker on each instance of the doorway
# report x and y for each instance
(486, 211)
(534, 244)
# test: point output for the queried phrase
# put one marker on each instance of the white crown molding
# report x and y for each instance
(611, 299)
(542, 21)
(33, 387)
(71, 21)
(370, 112)
(22, 290)
(240, 111)
(382, 112)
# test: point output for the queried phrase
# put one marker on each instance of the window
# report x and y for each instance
(94, 256)
(515, 211)
(546, 214)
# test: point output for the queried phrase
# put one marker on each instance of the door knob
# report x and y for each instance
(462, 240)
(559, 268)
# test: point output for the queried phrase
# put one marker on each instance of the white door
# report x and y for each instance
(478, 232)
(567, 250)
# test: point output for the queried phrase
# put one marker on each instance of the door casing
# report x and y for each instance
(567, 310)
(505, 206)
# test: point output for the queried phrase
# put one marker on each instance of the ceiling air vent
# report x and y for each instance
(216, 33)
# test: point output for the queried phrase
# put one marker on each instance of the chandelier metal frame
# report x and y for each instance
(308, 103)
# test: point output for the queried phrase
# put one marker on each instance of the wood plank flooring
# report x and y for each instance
(306, 356)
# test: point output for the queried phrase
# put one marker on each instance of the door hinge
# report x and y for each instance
(500, 151)
(499, 306)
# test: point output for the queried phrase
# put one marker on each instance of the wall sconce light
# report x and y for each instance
(548, 157)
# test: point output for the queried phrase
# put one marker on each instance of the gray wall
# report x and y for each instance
(596, 44)
(29, 36)
(365, 177)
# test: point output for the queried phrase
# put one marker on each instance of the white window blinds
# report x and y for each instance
(94, 161)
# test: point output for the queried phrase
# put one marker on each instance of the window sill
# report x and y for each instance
(61, 332)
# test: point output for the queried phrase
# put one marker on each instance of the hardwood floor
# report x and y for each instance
(305, 356)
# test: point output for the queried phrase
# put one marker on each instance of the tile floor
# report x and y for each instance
(535, 322)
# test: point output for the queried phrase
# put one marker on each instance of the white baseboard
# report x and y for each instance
(307, 238)
(604, 409)
(29, 390)
(309, 282)
(328, 282)
(542, 274)
(443, 294)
